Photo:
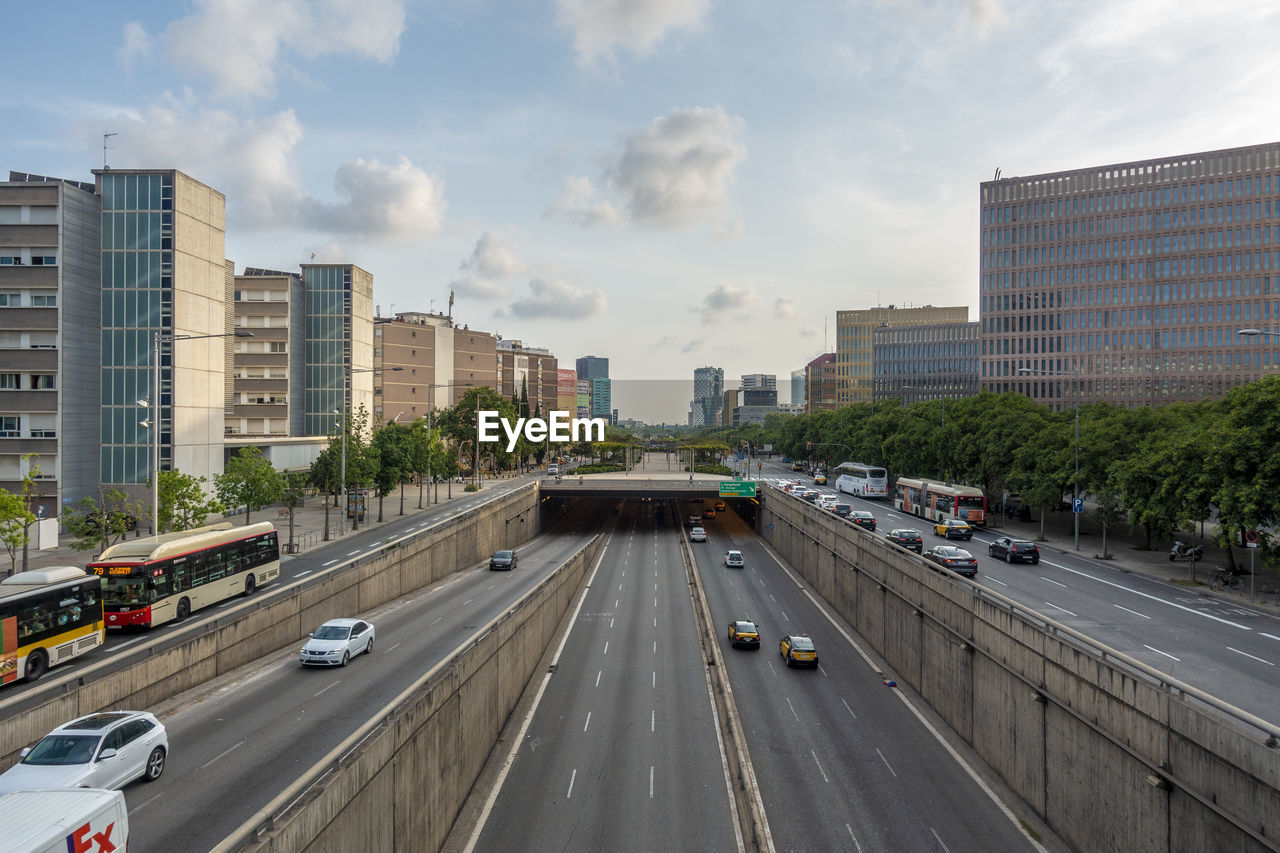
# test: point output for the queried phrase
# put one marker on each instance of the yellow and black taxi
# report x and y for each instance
(798, 650)
(953, 528)
(820, 478)
(744, 633)
(719, 506)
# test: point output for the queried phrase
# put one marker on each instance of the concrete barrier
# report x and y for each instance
(1112, 754)
(399, 782)
(184, 657)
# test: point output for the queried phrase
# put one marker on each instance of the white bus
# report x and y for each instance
(147, 582)
(864, 481)
(47, 617)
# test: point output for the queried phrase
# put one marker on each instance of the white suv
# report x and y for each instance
(104, 750)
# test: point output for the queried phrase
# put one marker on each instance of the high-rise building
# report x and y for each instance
(760, 380)
(798, 390)
(567, 391)
(925, 362)
(854, 351)
(1128, 282)
(439, 362)
(268, 369)
(584, 398)
(50, 243)
(164, 272)
(708, 388)
(820, 376)
(339, 343)
(592, 367)
(601, 397)
(529, 370)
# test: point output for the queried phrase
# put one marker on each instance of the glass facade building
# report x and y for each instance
(338, 317)
(854, 352)
(925, 362)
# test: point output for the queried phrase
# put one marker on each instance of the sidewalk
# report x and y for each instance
(1127, 554)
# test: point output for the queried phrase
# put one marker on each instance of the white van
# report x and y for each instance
(55, 820)
(553, 469)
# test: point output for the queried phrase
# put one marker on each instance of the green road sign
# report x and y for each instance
(737, 488)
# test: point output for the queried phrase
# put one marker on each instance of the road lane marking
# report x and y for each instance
(393, 648)
(854, 837)
(1166, 654)
(227, 751)
(610, 624)
(784, 615)
(886, 762)
(1152, 597)
(1269, 636)
(332, 685)
(819, 763)
(598, 674)
(491, 587)
(847, 708)
(330, 563)
(572, 776)
(993, 580)
(435, 620)
(1051, 580)
(468, 601)
(941, 843)
(651, 781)
(120, 646)
(588, 722)
(615, 603)
(1134, 612)
(352, 553)
(606, 647)
(793, 709)
(303, 574)
(653, 719)
(655, 647)
(1063, 609)
(1246, 654)
(655, 679)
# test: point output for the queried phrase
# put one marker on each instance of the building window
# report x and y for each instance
(10, 381)
(44, 260)
(276, 346)
(44, 300)
(42, 382)
(10, 261)
(9, 426)
(10, 300)
(44, 433)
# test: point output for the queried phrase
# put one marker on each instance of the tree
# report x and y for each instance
(291, 495)
(324, 475)
(248, 480)
(29, 497)
(15, 519)
(184, 503)
(97, 524)
(390, 445)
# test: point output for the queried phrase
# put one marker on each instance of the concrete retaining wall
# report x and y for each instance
(402, 786)
(1112, 757)
(182, 658)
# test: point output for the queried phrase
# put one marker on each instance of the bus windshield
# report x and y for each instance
(122, 589)
(970, 501)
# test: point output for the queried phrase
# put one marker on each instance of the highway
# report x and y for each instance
(240, 740)
(842, 763)
(1222, 647)
(622, 752)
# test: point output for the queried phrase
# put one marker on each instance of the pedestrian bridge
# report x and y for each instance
(631, 486)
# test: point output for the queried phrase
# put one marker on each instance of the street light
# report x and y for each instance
(153, 423)
(435, 493)
(1253, 333)
(1075, 488)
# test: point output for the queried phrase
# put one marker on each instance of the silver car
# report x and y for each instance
(336, 642)
(733, 560)
(104, 750)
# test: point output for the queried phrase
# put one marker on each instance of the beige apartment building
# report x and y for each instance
(531, 368)
(438, 363)
(268, 369)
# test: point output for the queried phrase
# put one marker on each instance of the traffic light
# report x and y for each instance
(808, 445)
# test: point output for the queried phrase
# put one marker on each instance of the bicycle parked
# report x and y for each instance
(1225, 578)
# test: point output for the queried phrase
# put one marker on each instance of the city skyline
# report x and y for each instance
(532, 159)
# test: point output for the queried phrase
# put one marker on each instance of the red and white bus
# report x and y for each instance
(148, 582)
(940, 501)
(865, 481)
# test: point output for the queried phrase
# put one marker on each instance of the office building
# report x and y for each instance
(268, 370)
(1128, 282)
(708, 389)
(767, 381)
(338, 343)
(592, 367)
(531, 372)
(163, 271)
(50, 299)
(567, 391)
(821, 383)
(798, 390)
(439, 362)
(601, 397)
(925, 362)
(584, 398)
(854, 354)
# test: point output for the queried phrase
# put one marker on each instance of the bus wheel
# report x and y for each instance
(184, 608)
(37, 663)
(249, 585)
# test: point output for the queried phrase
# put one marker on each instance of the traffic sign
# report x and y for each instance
(737, 488)
(1077, 504)
(1251, 539)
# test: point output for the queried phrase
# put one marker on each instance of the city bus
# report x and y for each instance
(865, 481)
(47, 617)
(147, 582)
(940, 501)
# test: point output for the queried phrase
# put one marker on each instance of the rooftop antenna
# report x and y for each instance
(105, 137)
(431, 306)
(997, 177)
(450, 304)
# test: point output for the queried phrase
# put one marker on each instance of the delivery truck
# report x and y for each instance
(63, 820)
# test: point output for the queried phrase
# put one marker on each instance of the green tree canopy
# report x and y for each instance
(248, 480)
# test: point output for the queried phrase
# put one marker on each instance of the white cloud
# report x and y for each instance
(785, 307)
(579, 205)
(679, 169)
(136, 44)
(555, 299)
(638, 25)
(477, 287)
(391, 203)
(495, 256)
(241, 44)
(728, 299)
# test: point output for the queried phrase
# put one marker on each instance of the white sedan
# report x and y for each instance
(733, 560)
(105, 750)
(336, 642)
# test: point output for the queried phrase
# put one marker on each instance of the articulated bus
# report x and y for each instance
(940, 501)
(147, 582)
(47, 617)
(865, 481)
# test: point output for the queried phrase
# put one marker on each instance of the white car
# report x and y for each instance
(336, 642)
(828, 501)
(108, 749)
(697, 534)
(733, 560)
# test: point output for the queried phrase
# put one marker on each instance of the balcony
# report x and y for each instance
(40, 319)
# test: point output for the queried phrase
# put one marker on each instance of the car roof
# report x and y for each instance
(341, 623)
(740, 623)
(98, 722)
(904, 531)
(800, 641)
(956, 521)
(733, 551)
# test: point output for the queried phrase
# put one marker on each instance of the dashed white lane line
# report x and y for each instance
(1268, 636)
(793, 710)
(993, 580)
(227, 751)
(598, 674)
(393, 648)
(653, 720)
(304, 574)
(655, 679)
(1063, 609)
(941, 843)
(120, 646)
(330, 563)
(1151, 597)
(850, 710)
(1134, 612)
(819, 763)
(1052, 581)
(651, 781)
(468, 601)
(854, 837)
(572, 776)
(352, 553)
(1255, 657)
(140, 806)
(332, 685)
(606, 647)
(1166, 654)
(588, 722)
(610, 624)
(886, 762)
(435, 620)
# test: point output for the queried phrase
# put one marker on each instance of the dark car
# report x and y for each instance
(503, 560)
(842, 510)
(810, 495)
(909, 539)
(1014, 550)
(955, 559)
(863, 519)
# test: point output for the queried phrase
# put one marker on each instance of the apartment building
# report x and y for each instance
(269, 369)
(854, 353)
(1128, 282)
(529, 370)
(438, 363)
(49, 296)
(925, 362)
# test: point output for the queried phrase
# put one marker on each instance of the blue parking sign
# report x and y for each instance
(1077, 505)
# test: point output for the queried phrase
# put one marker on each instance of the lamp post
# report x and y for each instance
(431, 409)
(153, 422)
(1075, 488)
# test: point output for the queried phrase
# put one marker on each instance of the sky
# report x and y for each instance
(668, 183)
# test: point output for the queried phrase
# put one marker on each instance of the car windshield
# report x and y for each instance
(803, 643)
(950, 552)
(746, 627)
(63, 749)
(332, 632)
(735, 555)
(907, 534)
(502, 555)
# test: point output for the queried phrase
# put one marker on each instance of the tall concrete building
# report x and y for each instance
(338, 344)
(925, 362)
(708, 389)
(439, 362)
(532, 370)
(50, 308)
(854, 352)
(821, 381)
(269, 375)
(798, 390)
(1132, 279)
(163, 270)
